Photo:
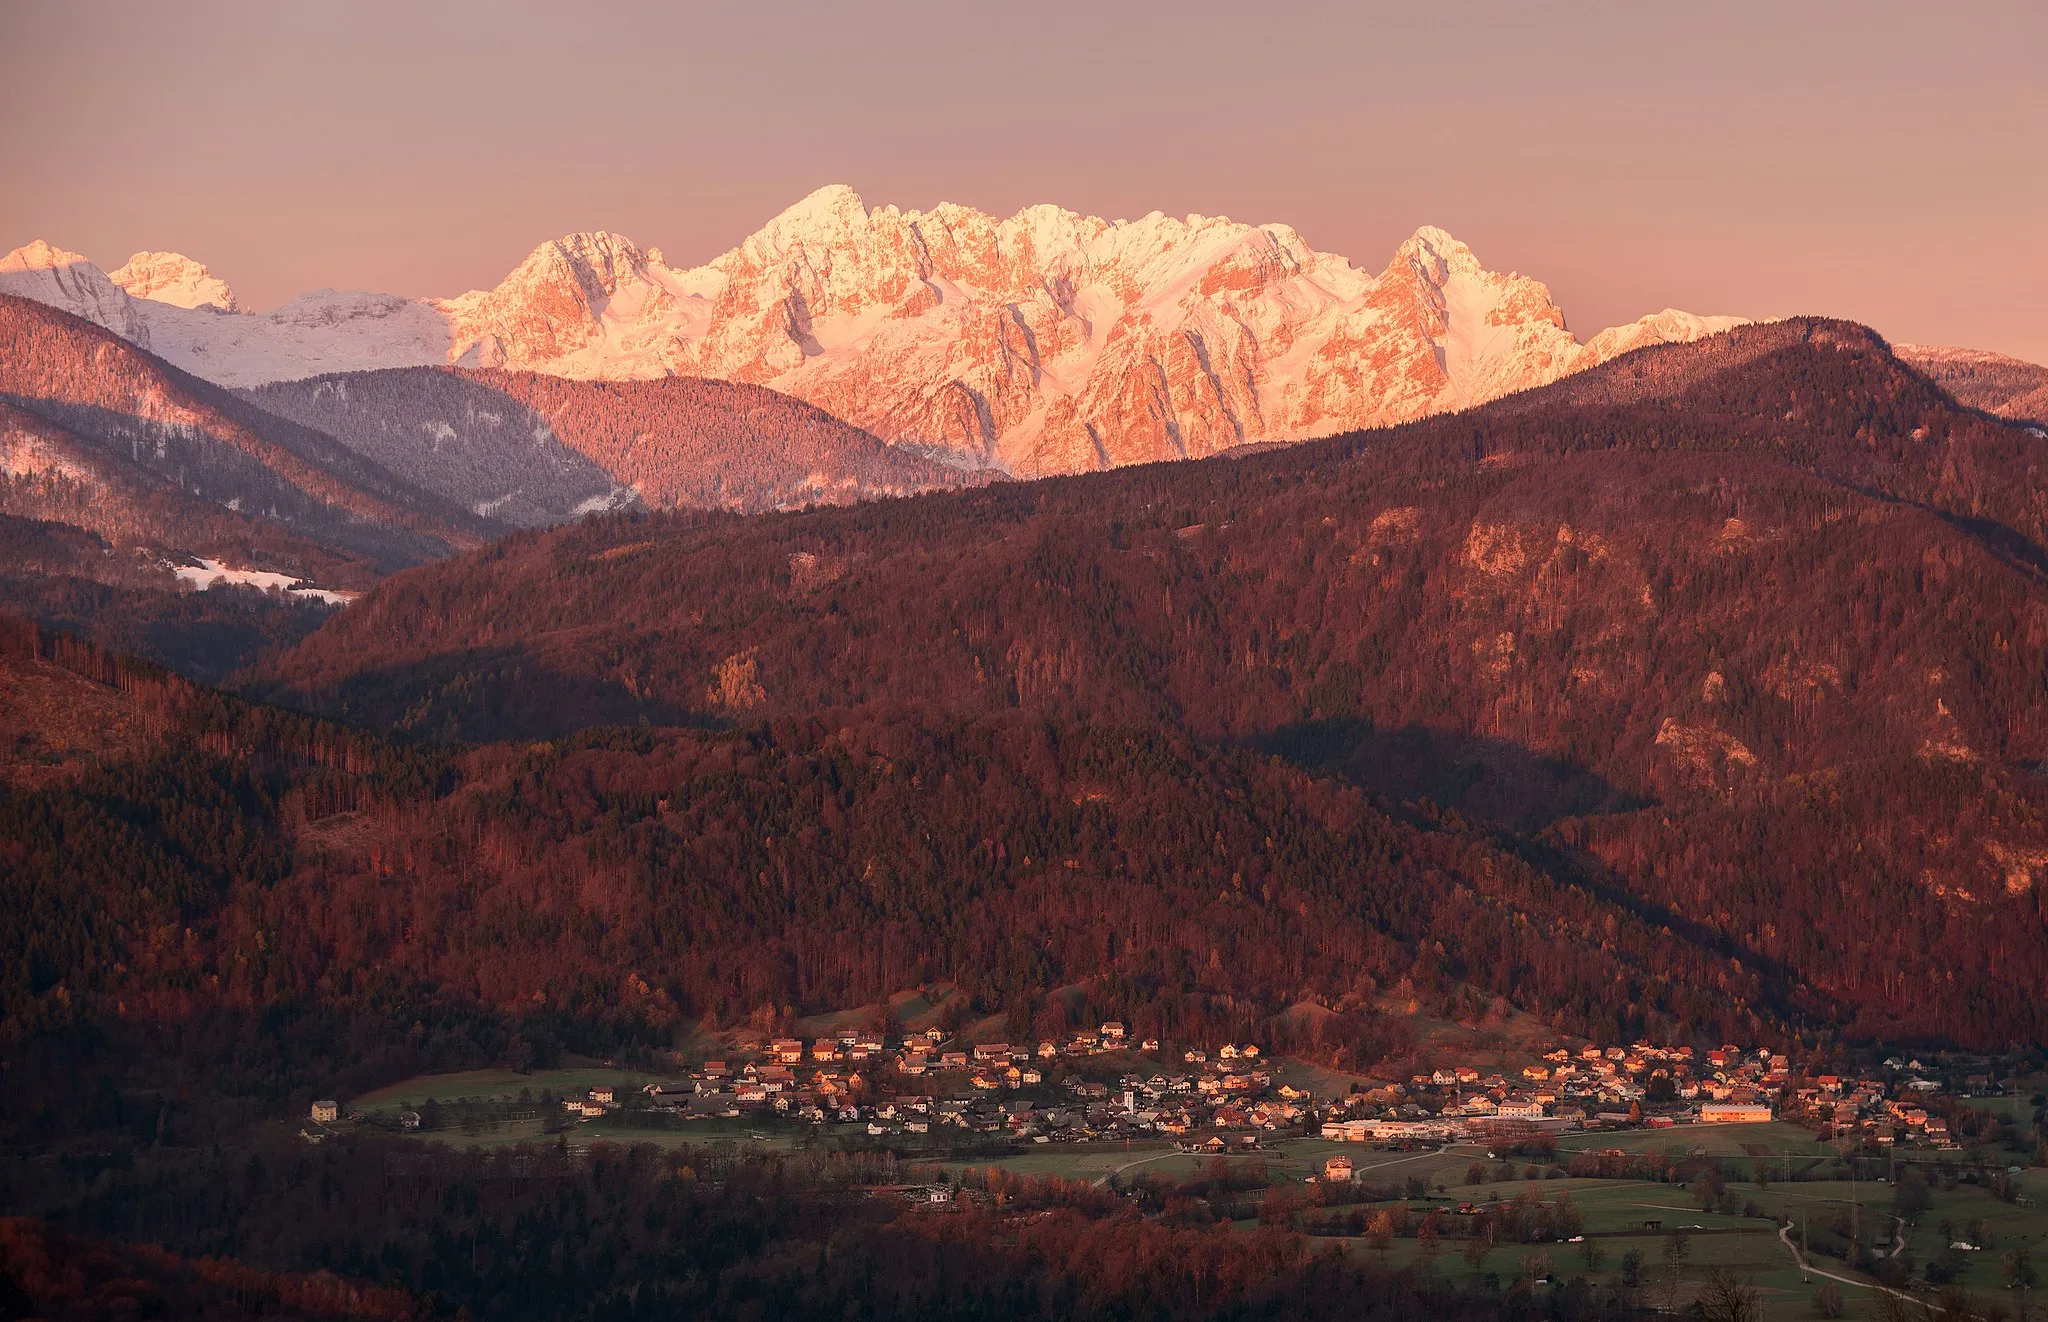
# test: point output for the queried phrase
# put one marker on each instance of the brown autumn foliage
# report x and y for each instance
(46, 1273)
(1746, 635)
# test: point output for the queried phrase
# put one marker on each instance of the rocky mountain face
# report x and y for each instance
(174, 279)
(1047, 342)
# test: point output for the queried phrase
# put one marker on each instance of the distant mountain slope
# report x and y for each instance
(112, 416)
(2009, 387)
(698, 444)
(50, 472)
(1768, 606)
(1047, 342)
(458, 438)
(125, 597)
(532, 450)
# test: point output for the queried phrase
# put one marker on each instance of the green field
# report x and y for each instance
(496, 1085)
(1614, 1211)
(1773, 1139)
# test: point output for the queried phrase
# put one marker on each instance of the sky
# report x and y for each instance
(1882, 161)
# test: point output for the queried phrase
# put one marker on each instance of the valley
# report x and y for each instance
(541, 743)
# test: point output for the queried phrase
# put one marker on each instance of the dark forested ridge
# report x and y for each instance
(126, 599)
(1749, 632)
(1652, 735)
(1700, 698)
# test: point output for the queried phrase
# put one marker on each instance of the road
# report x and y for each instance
(1785, 1238)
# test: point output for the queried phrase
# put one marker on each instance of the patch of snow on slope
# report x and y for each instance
(207, 573)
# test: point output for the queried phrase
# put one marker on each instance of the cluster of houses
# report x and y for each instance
(1593, 1087)
(1894, 1108)
(924, 1083)
(994, 1087)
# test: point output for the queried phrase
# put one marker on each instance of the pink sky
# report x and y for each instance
(1875, 160)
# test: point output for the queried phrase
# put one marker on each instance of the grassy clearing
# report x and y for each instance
(1774, 1139)
(497, 1085)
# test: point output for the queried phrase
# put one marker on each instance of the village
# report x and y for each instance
(918, 1090)
(1860, 1172)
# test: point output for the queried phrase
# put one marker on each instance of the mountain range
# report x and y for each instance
(1047, 342)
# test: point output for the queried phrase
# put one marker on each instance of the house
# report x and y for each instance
(1113, 1034)
(953, 1060)
(326, 1112)
(1149, 1044)
(1047, 1050)
(603, 1094)
(992, 1051)
(1734, 1113)
(408, 1120)
(788, 1050)
(1337, 1168)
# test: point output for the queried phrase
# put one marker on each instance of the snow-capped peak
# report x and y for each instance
(68, 281)
(36, 255)
(1048, 341)
(835, 208)
(175, 279)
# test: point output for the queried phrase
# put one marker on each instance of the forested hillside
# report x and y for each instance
(122, 422)
(2008, 387)
(700, 444)
(453, 436)
(636, 882)
(536, 450)
(1748, 632)
(1708, 706)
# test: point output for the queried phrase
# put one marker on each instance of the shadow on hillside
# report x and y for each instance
(479, 697)
(1490, 780)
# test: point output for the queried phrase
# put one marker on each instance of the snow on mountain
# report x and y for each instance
(175, 279)
(2009, 387)
(68, 281)
(1667, 327)
(1047, 342)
